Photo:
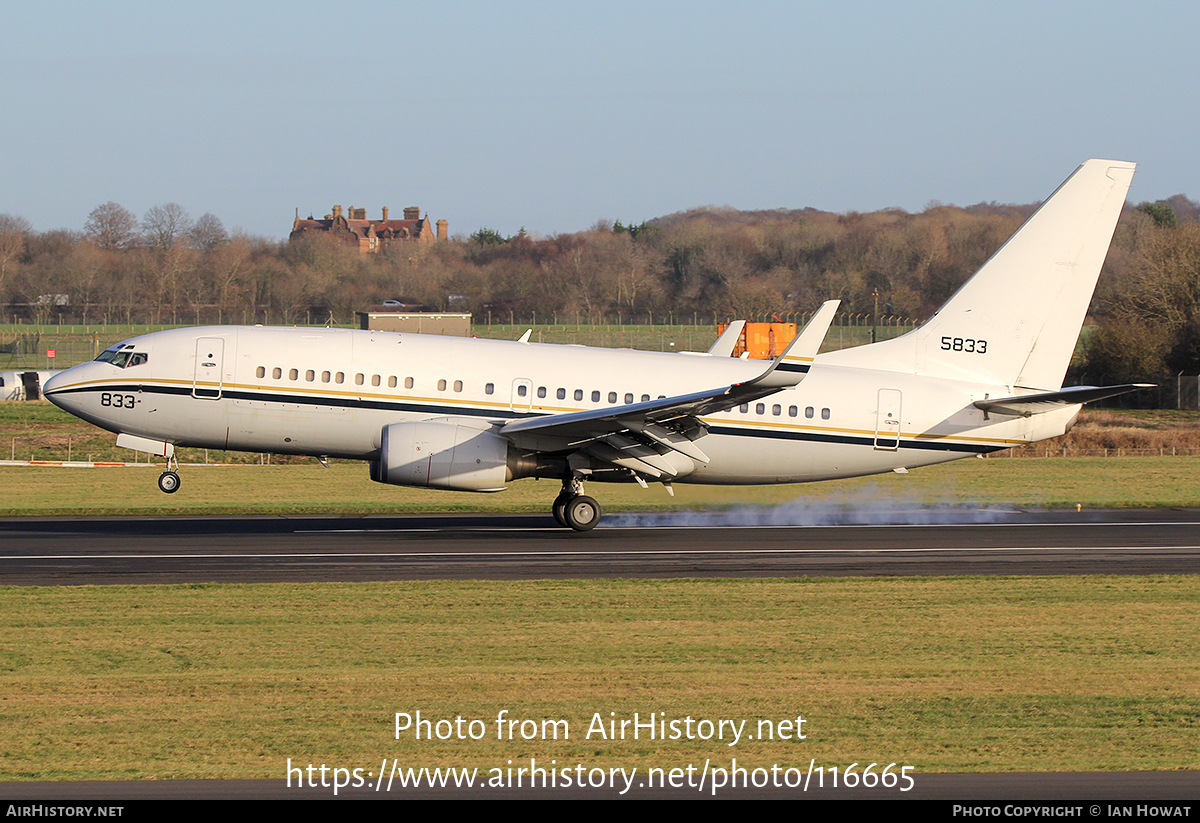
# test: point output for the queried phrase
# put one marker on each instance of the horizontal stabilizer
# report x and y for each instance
(1030, 404)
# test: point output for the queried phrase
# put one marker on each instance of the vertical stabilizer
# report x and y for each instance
(1016, 320)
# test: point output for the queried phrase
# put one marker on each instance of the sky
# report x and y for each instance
(550, 116)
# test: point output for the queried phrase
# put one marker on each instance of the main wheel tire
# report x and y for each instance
(168, 482)
(582, 513)
(560, 504)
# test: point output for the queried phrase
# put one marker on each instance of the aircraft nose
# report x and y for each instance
(55, 383)
(57, 388)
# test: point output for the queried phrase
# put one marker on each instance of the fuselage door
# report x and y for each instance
(522, 394)
(210, 356)
(30, 381)
(887, 420)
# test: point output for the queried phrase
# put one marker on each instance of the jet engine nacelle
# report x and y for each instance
(449, 453)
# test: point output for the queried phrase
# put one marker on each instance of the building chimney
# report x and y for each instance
(337, 212)
(385, 214)
(412, 213)
(443, 230)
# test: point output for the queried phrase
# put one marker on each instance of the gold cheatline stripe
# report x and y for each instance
(567, 410)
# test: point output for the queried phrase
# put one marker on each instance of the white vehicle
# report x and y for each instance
(984, 373)
(24, 384)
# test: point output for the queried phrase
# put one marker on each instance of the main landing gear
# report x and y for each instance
(575, 509)
(168, 481)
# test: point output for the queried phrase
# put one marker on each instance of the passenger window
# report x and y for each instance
(561, 394)
(541, 391)
(490, 388)
(260, 372)
(578, 394)
(760, 408)
(310, 375)
(392, 381)
(793, 411)
(612, 397)
(776, 410)
(824, 414)
(408, 382)
(358, 379)
(628, 398)
(595, 397)
(808, 412)
(645, 398)
(522, 390)
(277, 373)
(325, 376)
(744, 408)
(375, 380)
(340, 377)
(293, 374)
(441, 385)
(458, 385)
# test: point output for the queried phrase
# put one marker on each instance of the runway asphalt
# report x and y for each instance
(76, 551)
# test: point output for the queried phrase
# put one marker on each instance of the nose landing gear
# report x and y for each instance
(168, 481)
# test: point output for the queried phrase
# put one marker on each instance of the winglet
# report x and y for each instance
(525, 336)
(728, 339)
(793, 364)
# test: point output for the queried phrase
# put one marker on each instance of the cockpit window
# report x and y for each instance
(122, 358)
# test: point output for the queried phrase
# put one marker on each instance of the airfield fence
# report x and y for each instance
(26, 345)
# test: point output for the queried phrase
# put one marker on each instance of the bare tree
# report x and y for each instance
(14, 232)
(111, 226)
(165, 225)
(208, 233)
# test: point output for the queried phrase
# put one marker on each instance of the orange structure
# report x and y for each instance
(763, 341)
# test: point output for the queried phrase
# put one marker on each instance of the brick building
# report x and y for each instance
(369, 236)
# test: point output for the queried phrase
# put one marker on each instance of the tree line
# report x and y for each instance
(710, 262)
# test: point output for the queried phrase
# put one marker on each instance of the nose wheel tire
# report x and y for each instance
(168, 482)
(581, 513)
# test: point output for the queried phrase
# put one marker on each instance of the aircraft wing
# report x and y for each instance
(1029, 404)
(638, 436)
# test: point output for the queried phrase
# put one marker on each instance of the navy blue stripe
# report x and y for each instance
(799, 368)
(492, 414)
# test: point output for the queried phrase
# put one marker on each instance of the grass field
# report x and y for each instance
(40, 431)
(950, 674)
(345, 489)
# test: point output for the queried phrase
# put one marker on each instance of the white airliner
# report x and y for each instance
(984, 373)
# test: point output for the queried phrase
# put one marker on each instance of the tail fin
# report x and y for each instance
(1016, 320)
